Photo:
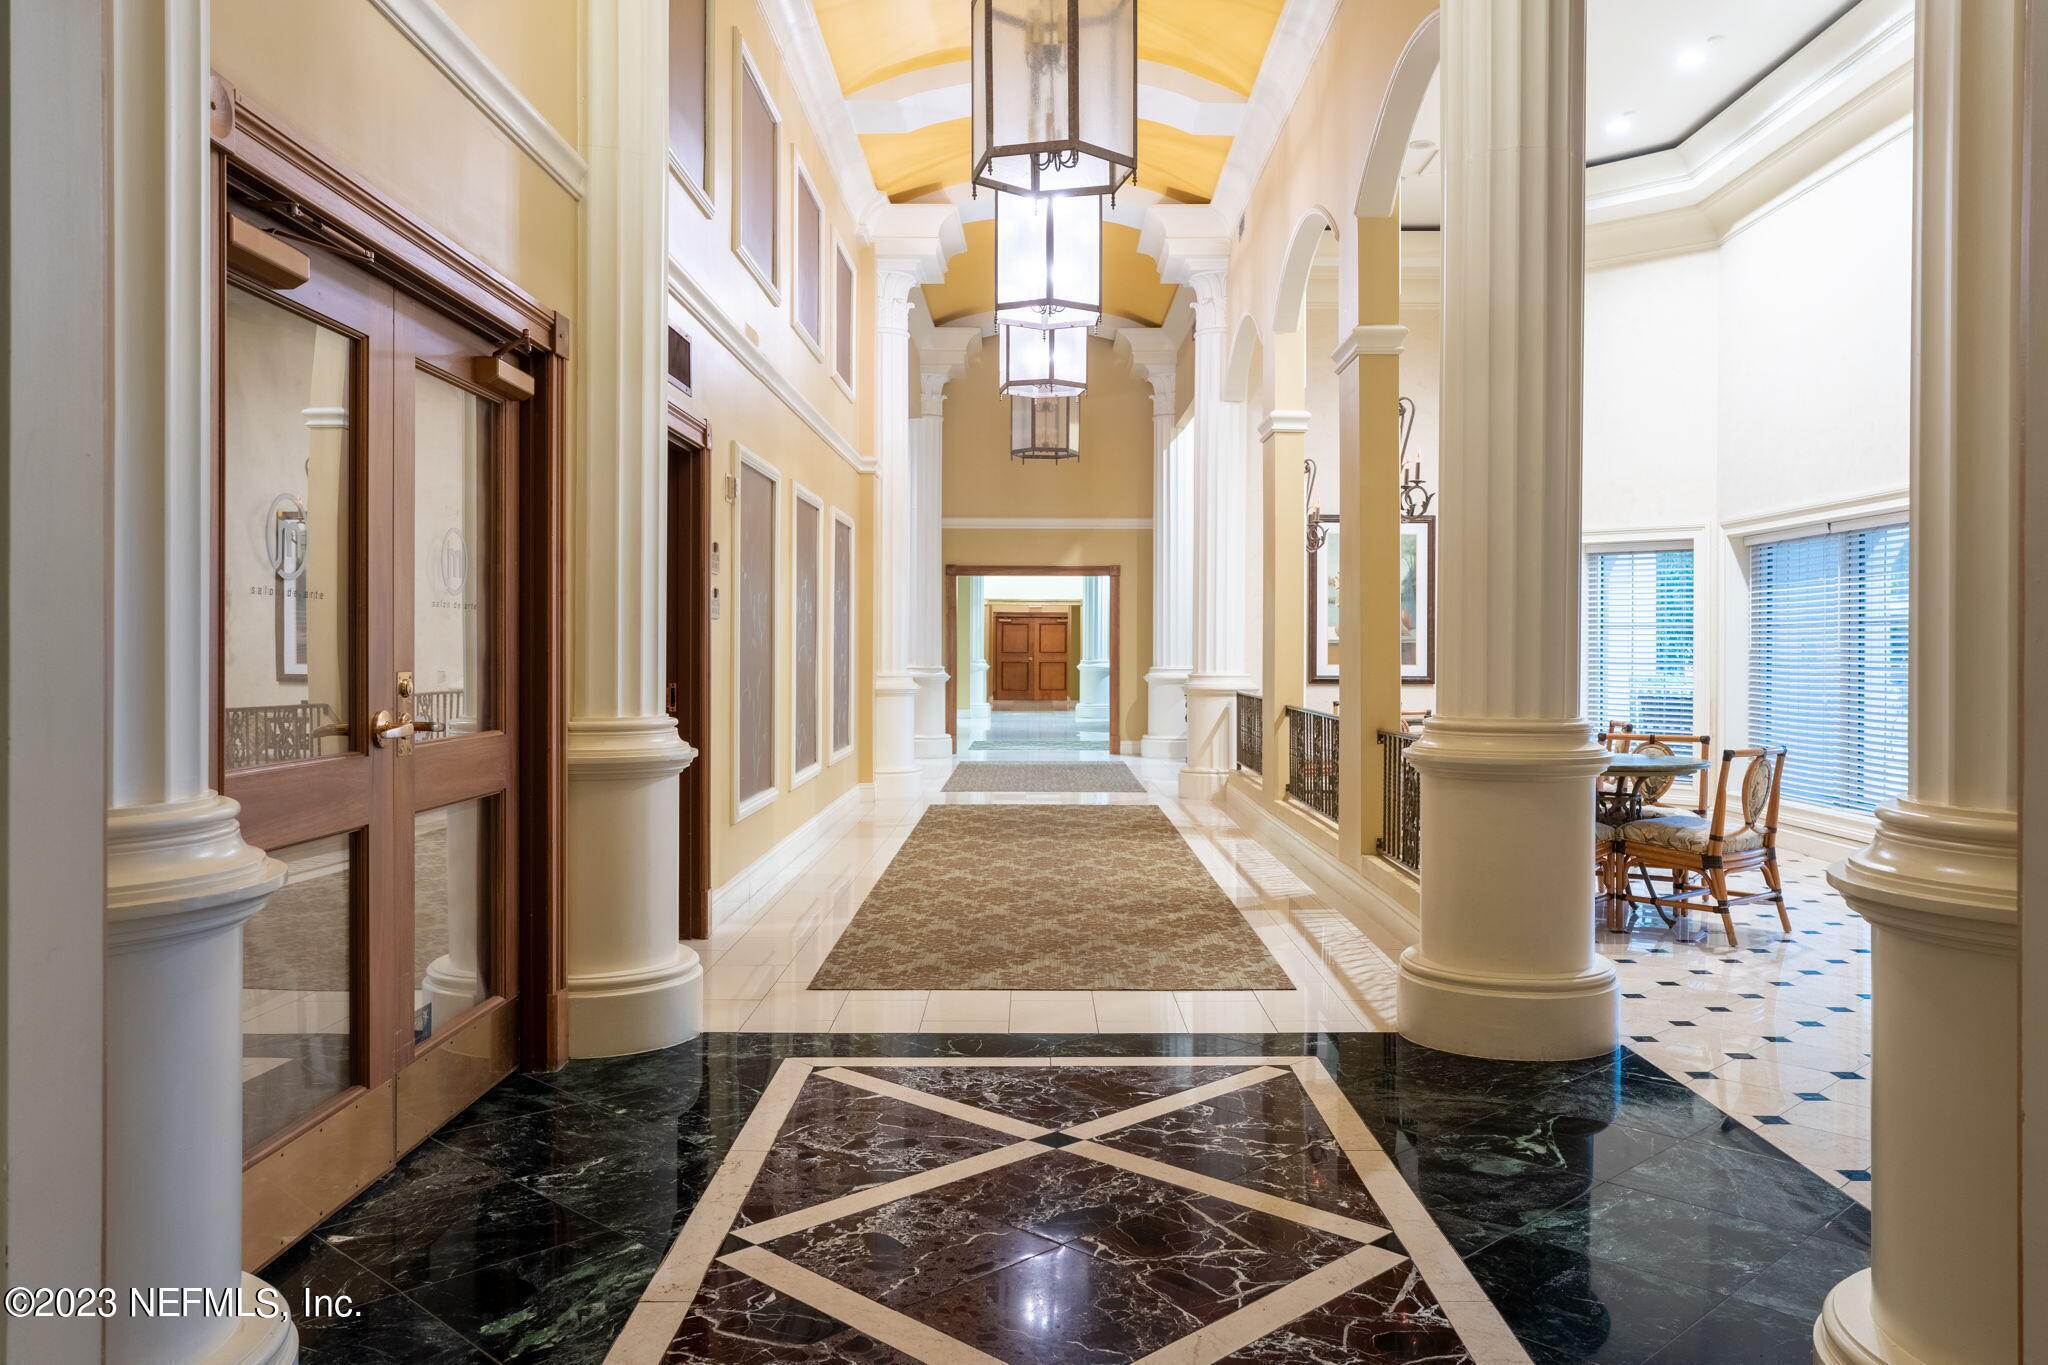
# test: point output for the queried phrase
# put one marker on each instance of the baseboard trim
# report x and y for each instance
(1388, 914)
(741, 896)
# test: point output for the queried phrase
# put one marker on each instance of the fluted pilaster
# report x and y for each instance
(896, 539)
(1219, 547)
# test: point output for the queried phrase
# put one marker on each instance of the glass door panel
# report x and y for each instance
(298, 990)
(452, 559)
(452, 875)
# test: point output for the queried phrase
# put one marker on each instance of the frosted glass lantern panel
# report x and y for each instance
(1041, 363)
(1055, 94)
(1048, 260)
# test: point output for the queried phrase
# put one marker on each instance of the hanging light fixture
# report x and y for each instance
(1055, 92)
(1045, 428)
(1043, 362)
(1048, 260)
(1415, 495)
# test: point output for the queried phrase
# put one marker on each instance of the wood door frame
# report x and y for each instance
(261, 162)
(1113, 572)
(689, 625)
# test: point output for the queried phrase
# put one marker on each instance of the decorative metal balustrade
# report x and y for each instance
(261, 735)
(444, 705)
(1400, 838)
(1251, 732)
(1312, 760)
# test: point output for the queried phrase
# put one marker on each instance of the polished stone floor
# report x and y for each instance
(1601, 1210)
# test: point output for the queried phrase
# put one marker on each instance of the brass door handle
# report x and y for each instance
(397, 733)
(422, 726)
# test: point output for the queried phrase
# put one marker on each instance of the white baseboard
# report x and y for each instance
(742, 895)
(1127, 747)
(1385, 907)
(1829, 834)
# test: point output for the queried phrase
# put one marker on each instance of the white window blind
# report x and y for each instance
(1827, 662)
(1639, 640)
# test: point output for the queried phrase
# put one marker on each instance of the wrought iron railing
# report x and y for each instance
(1400, 838)
(1312, 760)
(442, 704)
(1251, 732)
(257, 736)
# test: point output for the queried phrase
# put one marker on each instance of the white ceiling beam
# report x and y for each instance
(939, 94)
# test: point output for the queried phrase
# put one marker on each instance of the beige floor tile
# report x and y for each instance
(1052, 1012)
(880, 1012)
(1138, 1012)
(791, 1009)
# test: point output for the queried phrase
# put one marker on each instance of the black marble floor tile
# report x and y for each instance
(1738, 1333)
(739, 1321)
(1761, 1188)
(1567, 1142)
(1798, 1282)
(1054, 1097)
(1266, 1137)
(562, 1305)
(315, 1268)
(1680, 1241)
(1567, 1307)
(1391, 1317)
(429, 1175)
(1484, 1188)
(458, 1234)
(513, 1097)
(388, 1331)
(1849, 1228)
(909, 1250)
(1062, 1308)
(1651, 1103)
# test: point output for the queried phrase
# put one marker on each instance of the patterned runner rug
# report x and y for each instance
(1043, 777)
(1048, 898)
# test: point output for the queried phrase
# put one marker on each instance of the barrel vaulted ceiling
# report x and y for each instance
(903, 67)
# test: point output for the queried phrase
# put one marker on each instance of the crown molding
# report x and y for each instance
(1296, 40)
(919, 238)
(427, 27)
(794, 27)
(729, 334)
(1386, 338)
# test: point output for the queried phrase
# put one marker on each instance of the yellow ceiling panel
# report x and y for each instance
(872, 40)
(909, 165)
(1131, 287)
(1181, 166)
(1219, 40)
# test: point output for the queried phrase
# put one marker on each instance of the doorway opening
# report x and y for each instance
(690, 553)
(1032, 657)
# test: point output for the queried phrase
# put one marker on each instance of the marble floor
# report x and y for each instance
(1275, 1197)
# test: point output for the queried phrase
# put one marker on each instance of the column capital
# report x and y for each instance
(895, 277)
(1210, 281)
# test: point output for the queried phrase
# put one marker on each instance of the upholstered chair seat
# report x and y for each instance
(1689, 833)
(1604, 835)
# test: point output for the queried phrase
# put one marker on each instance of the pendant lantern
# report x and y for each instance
(1048, 260)
(1045, 428)
(1041, 362)
(1055, 95)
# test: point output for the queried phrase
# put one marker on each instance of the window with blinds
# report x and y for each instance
(1827, 662)
(1639, 640)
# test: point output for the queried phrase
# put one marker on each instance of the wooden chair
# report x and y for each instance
(1658, 788)
(1684, 847)
(1608, 869)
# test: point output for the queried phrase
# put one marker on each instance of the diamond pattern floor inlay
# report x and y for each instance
(1094, 1211)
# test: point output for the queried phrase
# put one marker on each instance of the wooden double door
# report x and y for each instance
(368, 634)
(1031, 650)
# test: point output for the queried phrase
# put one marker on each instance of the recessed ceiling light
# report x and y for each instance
(1621, 123)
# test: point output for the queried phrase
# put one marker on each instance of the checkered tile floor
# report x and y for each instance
(1775, 1030)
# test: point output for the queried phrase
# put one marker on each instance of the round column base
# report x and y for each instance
(1174, 747)
(1847, 1332)
(1524, 1019)
(257, 1340)
(897, 776)
(612, 1014)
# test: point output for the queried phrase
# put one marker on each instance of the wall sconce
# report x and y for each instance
(1318, 533)
(1415, 495)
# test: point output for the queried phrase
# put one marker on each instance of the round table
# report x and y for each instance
(1631, 772)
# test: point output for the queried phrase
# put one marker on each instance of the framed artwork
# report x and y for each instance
(1322, 605)
(1418, 599)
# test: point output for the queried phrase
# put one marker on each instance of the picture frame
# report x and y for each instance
(1323, 606)
(1418, 599)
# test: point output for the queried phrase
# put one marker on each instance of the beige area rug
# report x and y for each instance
(1043, 777)
(300, 940)
(1048, 898)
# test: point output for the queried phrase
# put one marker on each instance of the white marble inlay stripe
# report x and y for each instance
(1228, 1335)
(877, 1195)
(857, 1311)
(1336, 1224)
(938, 1104)
(1166, 1104)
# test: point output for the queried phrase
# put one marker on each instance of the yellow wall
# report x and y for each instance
(1131, 551)
(1113, 477)
(744, 412)
(342, 77)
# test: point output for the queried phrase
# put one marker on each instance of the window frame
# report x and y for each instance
(849, 381)
(743, 804)
(800, 184)
(800, 494)
(702, 194)
(837, 753)
(769, 274)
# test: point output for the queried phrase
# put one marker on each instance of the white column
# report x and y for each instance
(1093, 708)
(632, 985)
(928, 625)
(1173, 548)
(977, 647)
(180, 879)
(1506, 965)
(1218, 550)
(896, 771)
(1940, 881)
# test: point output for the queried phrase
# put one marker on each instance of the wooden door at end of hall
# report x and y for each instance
(1031, 656)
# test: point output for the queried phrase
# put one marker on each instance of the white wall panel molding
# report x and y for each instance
(700, 305)
(441, 40)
